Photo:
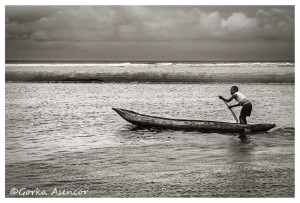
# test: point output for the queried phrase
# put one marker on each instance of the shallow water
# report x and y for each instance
(67, 136)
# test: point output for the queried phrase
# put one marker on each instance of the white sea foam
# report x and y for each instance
(266, 72)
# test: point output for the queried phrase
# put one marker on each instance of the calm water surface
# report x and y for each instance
(67, 136)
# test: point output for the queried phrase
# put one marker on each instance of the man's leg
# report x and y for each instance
(243, 120)
(242, 136)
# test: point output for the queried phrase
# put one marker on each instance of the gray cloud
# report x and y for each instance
(76, 25)
(143, 23)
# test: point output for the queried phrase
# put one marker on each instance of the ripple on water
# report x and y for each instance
(63, 139)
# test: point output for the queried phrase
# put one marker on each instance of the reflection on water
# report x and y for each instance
(240, 153)
(134, 135)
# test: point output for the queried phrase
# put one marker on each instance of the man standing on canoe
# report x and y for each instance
(242, 101)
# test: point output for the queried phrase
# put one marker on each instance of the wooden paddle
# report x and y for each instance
(237, 121)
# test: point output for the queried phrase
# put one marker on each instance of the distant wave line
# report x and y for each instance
(147, 77)
(163, 64)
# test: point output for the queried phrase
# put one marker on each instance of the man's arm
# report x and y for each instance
(228, 100)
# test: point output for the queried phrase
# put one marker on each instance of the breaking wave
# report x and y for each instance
(268, 72)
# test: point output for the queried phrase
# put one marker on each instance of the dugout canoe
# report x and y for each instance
(191, 125)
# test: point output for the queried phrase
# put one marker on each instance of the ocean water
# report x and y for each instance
(241, 72)
(66, 136)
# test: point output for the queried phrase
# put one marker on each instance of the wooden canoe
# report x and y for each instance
(193, 125)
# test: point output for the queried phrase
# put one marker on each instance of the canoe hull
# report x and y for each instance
(192, 125)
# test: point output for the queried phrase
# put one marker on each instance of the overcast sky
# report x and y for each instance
(149, 32)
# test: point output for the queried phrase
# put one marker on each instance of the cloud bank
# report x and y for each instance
(51, 26)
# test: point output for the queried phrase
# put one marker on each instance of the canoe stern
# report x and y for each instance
(262, 127)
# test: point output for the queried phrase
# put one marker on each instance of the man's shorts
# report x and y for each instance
(246, 110)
